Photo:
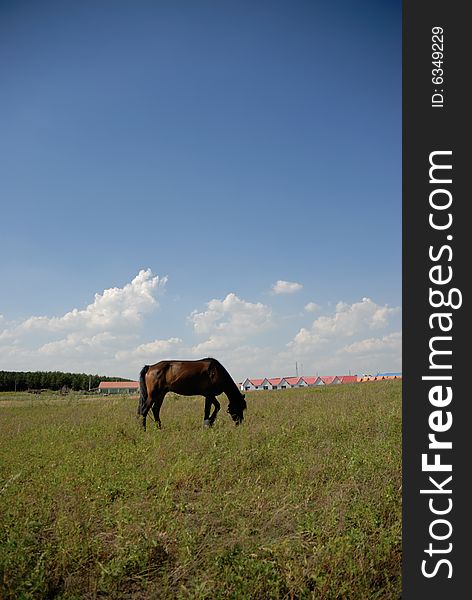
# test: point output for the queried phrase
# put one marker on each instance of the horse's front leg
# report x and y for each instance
(217, 406)
(206, 416)
(208, 419)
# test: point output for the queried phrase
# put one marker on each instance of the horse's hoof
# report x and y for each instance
(206, 423)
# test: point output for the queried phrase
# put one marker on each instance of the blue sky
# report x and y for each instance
(164, 164)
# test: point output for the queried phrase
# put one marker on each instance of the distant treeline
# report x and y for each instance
(50, 380)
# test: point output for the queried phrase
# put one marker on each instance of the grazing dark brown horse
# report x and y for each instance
(206, 377)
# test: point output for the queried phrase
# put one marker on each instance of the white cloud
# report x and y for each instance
(116, 307)
(369, 346)
(6, 335)
(91, 336)
(76, 344)
(348, 320)
(106, 336)
(157, 350)
(227, 322)
(286, 287)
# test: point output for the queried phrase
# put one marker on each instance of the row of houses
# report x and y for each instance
(380, 376)
(282, 383)
(249, 385)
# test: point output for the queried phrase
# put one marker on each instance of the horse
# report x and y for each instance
(205, 377)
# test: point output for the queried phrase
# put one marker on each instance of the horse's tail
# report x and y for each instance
(142, 389)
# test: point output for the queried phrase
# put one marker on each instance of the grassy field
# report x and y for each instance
(302, 501)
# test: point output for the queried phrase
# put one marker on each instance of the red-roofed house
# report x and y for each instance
(310, 380)
(330, 380)
(348, 378)
(275, 382)
(118, 387)
(252, 384)
(296, 381)
(284, 384)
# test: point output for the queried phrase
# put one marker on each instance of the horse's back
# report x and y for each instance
(189, 377)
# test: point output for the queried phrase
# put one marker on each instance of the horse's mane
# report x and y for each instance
(234, 390)
(220, 367)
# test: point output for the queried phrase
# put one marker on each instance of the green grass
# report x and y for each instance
(302, 501)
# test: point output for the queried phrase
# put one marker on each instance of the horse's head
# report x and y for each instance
(236, 409)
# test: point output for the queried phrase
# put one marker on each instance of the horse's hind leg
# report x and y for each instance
(151, 397)
(156, 407)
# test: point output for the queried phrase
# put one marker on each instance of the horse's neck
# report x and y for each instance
(232, 391)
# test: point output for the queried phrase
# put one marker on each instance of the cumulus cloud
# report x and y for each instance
(83, 336)
(115, 307)
(286, 287)
(373, 345)
(347, 321)
(76, 344)
(228, 322)
(106, 335)
(157, 350)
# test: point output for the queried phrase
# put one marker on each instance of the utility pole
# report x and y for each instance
(296, 368)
